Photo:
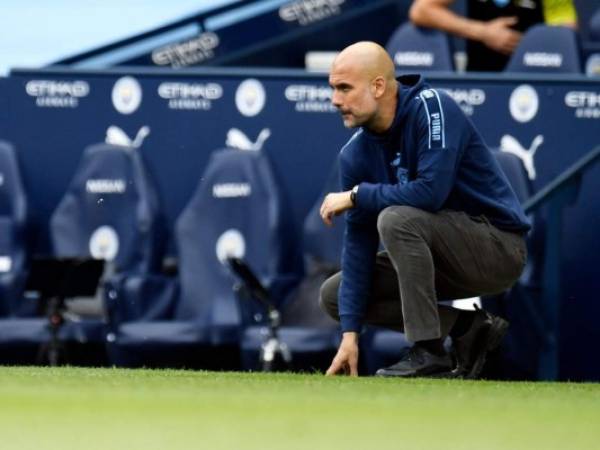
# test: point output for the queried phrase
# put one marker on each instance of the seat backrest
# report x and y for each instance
(514, 170)
(323, 244)
(547, 49)
(237, 210)
(110, 211)
(322, 258)
(516, 174)
(13, 239)
(594, 25)
(417, 49)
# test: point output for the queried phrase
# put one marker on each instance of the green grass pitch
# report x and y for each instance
(113, 409)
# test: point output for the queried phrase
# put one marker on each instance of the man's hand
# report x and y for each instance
(346, 359)
(334, 205)
(498, 35)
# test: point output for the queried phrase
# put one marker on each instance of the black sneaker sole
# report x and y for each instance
(439, 372)
(493, 337)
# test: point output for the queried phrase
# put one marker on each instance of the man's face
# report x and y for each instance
(352, 95)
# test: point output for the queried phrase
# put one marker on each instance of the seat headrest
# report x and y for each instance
(420, 49)
(547, 49)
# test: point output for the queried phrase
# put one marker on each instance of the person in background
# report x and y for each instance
(493, 28)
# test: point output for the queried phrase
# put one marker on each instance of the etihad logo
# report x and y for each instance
(57, 94)
(238, 140)
(467, 99)
(231, 190)
(585, 103)
(105, 186)
(306, 12)
(190, 96)
(509, 144)
(541, 59)
(310, 98)
(188, 53)
(423, 59)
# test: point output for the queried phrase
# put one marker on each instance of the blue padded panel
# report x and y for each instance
(237, 209)
(34, 330)
(595, 25)
(13, 241)
(163, 332)
(144, 297)
(515, 173)
(416, 49)
(546, 49)
(110, 188)
(323, 243)
(12, 193)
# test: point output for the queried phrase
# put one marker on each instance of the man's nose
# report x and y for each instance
(335, 100)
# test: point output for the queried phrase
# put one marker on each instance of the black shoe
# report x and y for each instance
(418, 362)
(471, 349)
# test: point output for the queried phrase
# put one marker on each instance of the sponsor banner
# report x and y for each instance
(542, 59)
(467, 99)
(310, 98)
(585, 104)
(416, 59)
(197, 50)
(307, 12)
(190, 96)
(57, 93)
(105, 186)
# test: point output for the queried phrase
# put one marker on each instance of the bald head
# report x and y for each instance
(367, 58)
(364, 86)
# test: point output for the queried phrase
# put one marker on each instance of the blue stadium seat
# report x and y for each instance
(594, 25)
(21, 332)
(110, 211)
(13, 240)
(517, 357)
(308, 332)
(237, 210)
(416, 49)
(547, 49)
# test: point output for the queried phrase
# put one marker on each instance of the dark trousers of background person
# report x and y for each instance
(432, 257)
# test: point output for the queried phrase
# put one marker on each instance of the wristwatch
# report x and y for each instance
(353, 193)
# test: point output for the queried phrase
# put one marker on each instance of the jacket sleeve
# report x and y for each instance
(358, 257)
(440, 130)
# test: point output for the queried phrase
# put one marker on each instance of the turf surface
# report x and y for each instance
(72, 408)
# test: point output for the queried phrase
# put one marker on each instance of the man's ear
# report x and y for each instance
(378, 86)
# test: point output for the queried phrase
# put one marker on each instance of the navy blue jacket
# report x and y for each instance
(431, 158)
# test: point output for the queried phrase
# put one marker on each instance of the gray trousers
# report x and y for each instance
(430, 257)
